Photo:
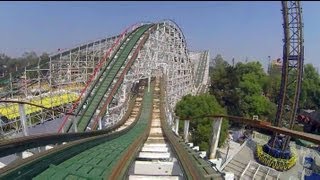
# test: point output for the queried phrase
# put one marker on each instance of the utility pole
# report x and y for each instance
(270, 72)
(269, 65)
(232, 62)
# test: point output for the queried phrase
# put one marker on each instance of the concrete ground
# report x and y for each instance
(244, 163)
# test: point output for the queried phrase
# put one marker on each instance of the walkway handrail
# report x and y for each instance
(20, 144)
(244, 171)
(231, 157)
(264, 125)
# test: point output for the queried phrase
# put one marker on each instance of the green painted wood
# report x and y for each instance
(108, 77)
(98, 161)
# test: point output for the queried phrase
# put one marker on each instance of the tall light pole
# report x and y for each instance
(269, 65)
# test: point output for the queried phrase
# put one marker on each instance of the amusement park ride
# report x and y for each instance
(277, 153)
(155, 50)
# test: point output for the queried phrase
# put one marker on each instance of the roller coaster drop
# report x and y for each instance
(276, 153)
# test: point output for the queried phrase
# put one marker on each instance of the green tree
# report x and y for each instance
(250, 84)
(243, 89)
(250, 67)
(252, 87)
(310, 91)
(193, 106)
(271, 85)
(224, 88)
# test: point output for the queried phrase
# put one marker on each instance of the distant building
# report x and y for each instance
(276, 63)
(275, 66)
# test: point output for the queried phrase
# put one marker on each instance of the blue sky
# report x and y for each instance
(241, 30)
